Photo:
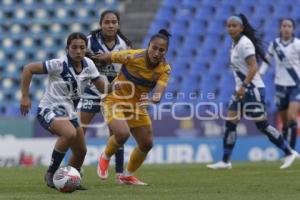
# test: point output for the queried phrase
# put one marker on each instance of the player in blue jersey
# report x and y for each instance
(286, 52)
(248, 100)
(68, 77)
(107, 39)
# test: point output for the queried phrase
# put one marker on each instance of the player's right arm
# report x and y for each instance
(122, 57)
(32, 68)
(264, 66)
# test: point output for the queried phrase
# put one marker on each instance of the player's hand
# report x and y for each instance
(240, 93)
(99, 57)
(25, 105)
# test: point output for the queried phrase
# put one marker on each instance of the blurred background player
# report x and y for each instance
(144, 70)
(68, 76)
(104, 40)
(286, 52)
(248, 99)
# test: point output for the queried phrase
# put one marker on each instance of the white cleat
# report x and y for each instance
(288, 160)
(220, 165)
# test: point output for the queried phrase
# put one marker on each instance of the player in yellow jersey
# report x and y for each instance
(143, 71)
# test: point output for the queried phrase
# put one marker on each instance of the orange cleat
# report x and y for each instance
(130, 180)
(102, 167)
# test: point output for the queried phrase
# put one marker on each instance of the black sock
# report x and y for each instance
(285, 132)
(292, 133)
(274, 136)
(56, 159)
(229, 140)
(119, 155)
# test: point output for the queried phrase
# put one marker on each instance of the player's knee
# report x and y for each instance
(71, 134)
(146, 146)
(262, 125)
(121, 136)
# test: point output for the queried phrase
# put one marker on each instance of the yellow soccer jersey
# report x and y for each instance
(135, 71)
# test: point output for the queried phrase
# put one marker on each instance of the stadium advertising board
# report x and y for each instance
(37, 151)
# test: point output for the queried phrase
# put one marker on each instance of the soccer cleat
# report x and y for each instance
(49, 179)
(102, 168)
(130, 180)
(288, 160)
(220, 165)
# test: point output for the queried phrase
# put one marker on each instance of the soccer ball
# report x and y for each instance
(66, 179)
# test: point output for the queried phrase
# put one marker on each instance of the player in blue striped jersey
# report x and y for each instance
(104, 40)
(286, 52)
(68, 77)
(248, 100)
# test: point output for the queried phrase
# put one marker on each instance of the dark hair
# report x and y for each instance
(163, 34)
(76, 35)
(103, 14)
(252, 34)
(289, 19)
(108, 12)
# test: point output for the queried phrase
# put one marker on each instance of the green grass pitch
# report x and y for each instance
(256, 181)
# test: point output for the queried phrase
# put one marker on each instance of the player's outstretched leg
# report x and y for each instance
(276, 138)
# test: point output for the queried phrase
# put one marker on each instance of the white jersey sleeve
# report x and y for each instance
(53, 66)
(247, 50)
(94, 73)
(287, 61)
(238, 54)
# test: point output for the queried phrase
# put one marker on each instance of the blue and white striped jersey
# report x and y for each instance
(65, 86)
(238, 54)
(96, 44)
(287, 61)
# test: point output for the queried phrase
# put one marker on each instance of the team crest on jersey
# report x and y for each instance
(55, 64)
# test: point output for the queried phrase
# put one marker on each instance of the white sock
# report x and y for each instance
(127, 173)
(105, 157)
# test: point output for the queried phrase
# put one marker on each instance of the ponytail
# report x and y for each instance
(127, 41)
(163, 34)
(251, 33)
